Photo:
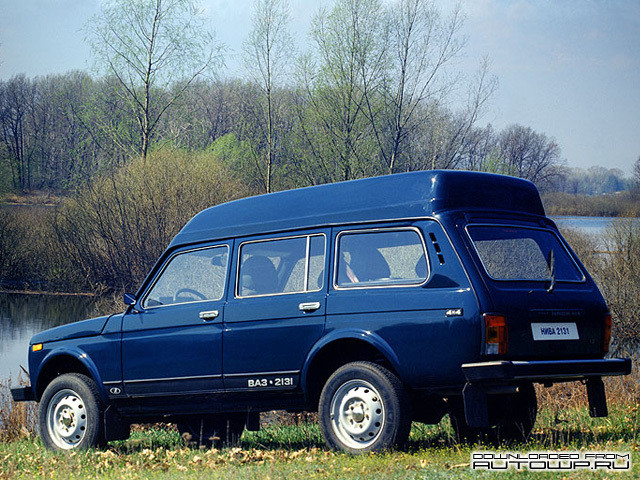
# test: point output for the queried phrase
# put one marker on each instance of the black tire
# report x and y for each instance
(70, 413)
(364, 408)
(212, 430)
(512, 418)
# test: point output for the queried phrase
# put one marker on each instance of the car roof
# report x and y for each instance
(404, 195)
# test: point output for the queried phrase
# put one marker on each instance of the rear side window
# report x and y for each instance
(518, 253)
(380, 258)
(284, 265)
(191, 276)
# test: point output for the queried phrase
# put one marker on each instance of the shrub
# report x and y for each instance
(114, 230)
(617, 273)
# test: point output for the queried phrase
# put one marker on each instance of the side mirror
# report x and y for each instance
(129, 299)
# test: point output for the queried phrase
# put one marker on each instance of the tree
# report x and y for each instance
(267, 52)
(149, 46)
(17, 100)
(635, 185)
(422, 44)
(350, 51)
(531, 155)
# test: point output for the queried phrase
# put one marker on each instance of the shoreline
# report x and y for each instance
(39, 292)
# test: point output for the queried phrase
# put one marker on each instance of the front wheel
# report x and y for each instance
(69, 414)
(364, 408)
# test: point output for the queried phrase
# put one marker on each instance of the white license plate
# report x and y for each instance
(555, 331)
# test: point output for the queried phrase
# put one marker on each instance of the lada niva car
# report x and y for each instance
(376, 302)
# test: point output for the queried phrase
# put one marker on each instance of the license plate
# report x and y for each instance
(555, 331)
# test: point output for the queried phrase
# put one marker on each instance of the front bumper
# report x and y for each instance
(486, 377)
(23, 394)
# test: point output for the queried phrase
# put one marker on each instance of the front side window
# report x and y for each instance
(191, 276)
(286, 265)
(518, 253)
(380, 258)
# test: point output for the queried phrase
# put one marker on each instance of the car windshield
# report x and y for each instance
(518, 253)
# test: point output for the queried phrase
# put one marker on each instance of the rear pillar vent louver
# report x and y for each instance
(437, 248)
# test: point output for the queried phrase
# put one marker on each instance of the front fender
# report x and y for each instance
(77, 354)
(349, 334)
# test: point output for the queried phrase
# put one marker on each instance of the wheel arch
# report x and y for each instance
(59, 362)
(340, 348)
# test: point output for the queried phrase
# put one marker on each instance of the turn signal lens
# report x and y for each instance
(495, 334)
(606, 334)
(37, 347)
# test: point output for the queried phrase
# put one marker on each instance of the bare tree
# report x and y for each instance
(422, 45)
(267, 52)
(17, 99)
(350, 48)
(635, 180)
(149, 46)
(529, 154)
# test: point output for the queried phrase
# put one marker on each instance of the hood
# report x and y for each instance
(84, 328)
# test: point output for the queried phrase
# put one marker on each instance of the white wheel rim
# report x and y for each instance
(357, 414)
(66, 419)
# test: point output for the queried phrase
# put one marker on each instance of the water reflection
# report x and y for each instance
(22, 315)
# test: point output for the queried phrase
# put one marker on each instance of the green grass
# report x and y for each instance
(299, 452)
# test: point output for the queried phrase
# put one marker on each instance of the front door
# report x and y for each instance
(172, 341)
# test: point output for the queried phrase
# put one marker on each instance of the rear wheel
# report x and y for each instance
(70, 413)
(364, 408)
(512, 418)
(212, 430)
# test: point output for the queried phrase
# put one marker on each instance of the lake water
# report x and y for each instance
(23, 315)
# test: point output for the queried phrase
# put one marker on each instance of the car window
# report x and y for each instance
(279, 266)
(191, 276)
(517, 253)
(393, 257)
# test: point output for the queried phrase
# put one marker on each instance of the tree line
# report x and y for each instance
(376, 92)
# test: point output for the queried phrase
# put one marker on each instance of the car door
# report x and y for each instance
(276, 312)
(172, 339)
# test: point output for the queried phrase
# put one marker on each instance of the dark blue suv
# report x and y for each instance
(376, 302)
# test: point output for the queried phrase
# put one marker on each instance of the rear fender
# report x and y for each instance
(365, 336)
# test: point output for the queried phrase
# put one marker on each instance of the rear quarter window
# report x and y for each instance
(380, 258)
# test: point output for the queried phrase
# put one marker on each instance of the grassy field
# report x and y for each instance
(298, 452)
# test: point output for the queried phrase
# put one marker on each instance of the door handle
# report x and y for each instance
(309, 306)
(210, 315)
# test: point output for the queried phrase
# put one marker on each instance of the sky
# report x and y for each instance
(567, 68)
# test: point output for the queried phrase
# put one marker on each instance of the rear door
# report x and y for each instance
(276, 312)
(552, 306)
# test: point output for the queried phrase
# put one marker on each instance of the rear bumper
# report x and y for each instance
(486, 377)
(545, 370)
(23, 394)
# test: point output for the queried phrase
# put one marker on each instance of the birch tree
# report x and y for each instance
(149, 46)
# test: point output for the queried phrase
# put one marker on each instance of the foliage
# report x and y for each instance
(297, 452)
(148, 47)
(616, 270)
(621, 204)
(620, 281)
(593, 181)
(369, 97)
(114, 230)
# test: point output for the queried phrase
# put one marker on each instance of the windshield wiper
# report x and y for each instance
(551, 261)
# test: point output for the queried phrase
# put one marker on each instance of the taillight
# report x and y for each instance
(606, 333)
(495, 328)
